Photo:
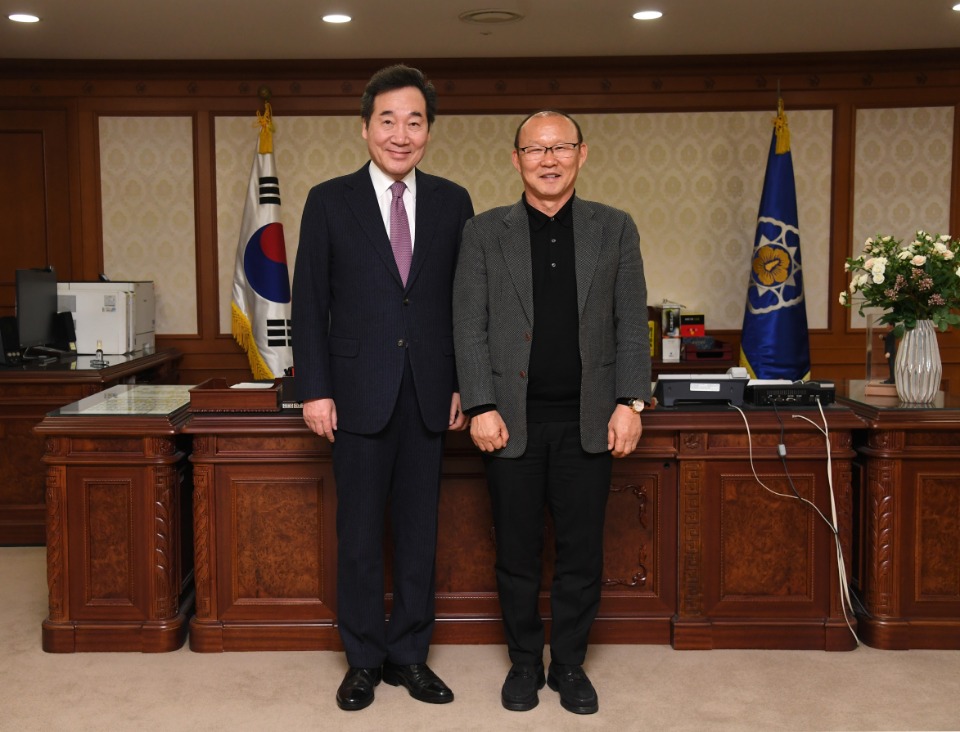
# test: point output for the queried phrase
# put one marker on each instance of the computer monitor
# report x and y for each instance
(36, 308)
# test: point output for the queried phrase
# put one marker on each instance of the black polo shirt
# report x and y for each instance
(553, 387)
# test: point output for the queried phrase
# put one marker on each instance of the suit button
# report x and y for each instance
(406, 301)
(523, 374)
(401, 343)
(526, 336)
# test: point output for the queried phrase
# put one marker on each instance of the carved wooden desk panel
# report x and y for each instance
(758, 570)
(908, 569)
(29, 392)
(120, 545)
(750, 571)
(265, 538)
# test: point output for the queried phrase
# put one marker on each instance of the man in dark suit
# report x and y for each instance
(553, 357)
(374, 362)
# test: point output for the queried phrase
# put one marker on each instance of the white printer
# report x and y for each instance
(120, 317)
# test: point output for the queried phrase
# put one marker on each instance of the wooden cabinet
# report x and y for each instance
(119, 539)
(755, 569)
(264, 534)
(265, 538)
(908, 507)
(696, 553)
(29, 392)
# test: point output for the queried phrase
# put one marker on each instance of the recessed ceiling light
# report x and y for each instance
(492, 16)
(647, 15)
(957, 7)
(23, 18)
(337, 18)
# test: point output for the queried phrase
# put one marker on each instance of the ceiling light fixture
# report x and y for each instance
(647, 15)
(337, 18)
(23, 18)
(490, 16)
(957, 7)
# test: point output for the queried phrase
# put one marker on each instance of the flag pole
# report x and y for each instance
(260, 304)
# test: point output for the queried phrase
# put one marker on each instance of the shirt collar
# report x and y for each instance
(382, 182)
(538, 219)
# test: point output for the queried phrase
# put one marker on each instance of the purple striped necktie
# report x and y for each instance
(400, 231)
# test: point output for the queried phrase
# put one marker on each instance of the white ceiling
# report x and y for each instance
(416, 29)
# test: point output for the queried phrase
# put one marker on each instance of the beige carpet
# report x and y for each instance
(640, 687)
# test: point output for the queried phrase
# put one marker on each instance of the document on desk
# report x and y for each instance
(132, 399)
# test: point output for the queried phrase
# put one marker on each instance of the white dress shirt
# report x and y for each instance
(381, 186)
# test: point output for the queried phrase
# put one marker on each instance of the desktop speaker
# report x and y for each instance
(9, 341)
(64, 332)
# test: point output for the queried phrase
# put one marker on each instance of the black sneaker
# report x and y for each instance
(519, 693)
(577, 694)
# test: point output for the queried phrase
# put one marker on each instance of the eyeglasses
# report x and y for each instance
(561, 151)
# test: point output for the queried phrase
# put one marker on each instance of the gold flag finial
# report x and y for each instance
(781, 129)
(265, 121)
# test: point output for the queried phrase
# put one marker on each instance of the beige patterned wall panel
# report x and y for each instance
(149, 232)
(691, 181)
(902, 174)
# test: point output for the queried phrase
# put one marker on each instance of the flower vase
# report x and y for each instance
(918, 367)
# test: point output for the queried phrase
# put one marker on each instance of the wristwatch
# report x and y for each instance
(636, 405)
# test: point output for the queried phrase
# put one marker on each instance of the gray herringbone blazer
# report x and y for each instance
(493, 317)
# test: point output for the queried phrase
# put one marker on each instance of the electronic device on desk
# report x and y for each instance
(37, 315)
(289, 399)
(691, 389)
(9, 341)
(785, 393)
(119, 316)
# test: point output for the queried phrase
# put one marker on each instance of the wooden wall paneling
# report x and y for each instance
(205, 197)
(35, 192)
(842, 82)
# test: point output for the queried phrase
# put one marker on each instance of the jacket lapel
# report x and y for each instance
(362, 200)
(426, 212)
(515, 245)
(587, 239)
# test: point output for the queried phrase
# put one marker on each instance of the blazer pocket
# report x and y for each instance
(348, 347)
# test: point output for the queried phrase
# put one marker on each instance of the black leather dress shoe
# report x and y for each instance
(577, 694)
(356, 689)
(519, 692)
(421, 682)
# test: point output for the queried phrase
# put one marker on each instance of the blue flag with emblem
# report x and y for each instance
(261, 286)
(775, 343)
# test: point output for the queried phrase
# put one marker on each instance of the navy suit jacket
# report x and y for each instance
(354, 322)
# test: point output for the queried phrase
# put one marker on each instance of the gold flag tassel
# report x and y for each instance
(243, 333)
(265, 121)
(781, 129)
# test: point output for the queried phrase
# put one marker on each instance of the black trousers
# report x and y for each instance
(555, 473)
(395, 472)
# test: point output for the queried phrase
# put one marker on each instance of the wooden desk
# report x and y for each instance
(908, 499)
(696, 553)
(27, 393)
(119, 540)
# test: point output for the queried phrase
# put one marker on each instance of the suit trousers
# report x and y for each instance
(555, 473)
(395, 472)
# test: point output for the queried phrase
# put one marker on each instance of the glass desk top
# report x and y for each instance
(853, 391)
(128, 400)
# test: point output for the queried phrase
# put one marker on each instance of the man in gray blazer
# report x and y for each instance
(553, 360)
